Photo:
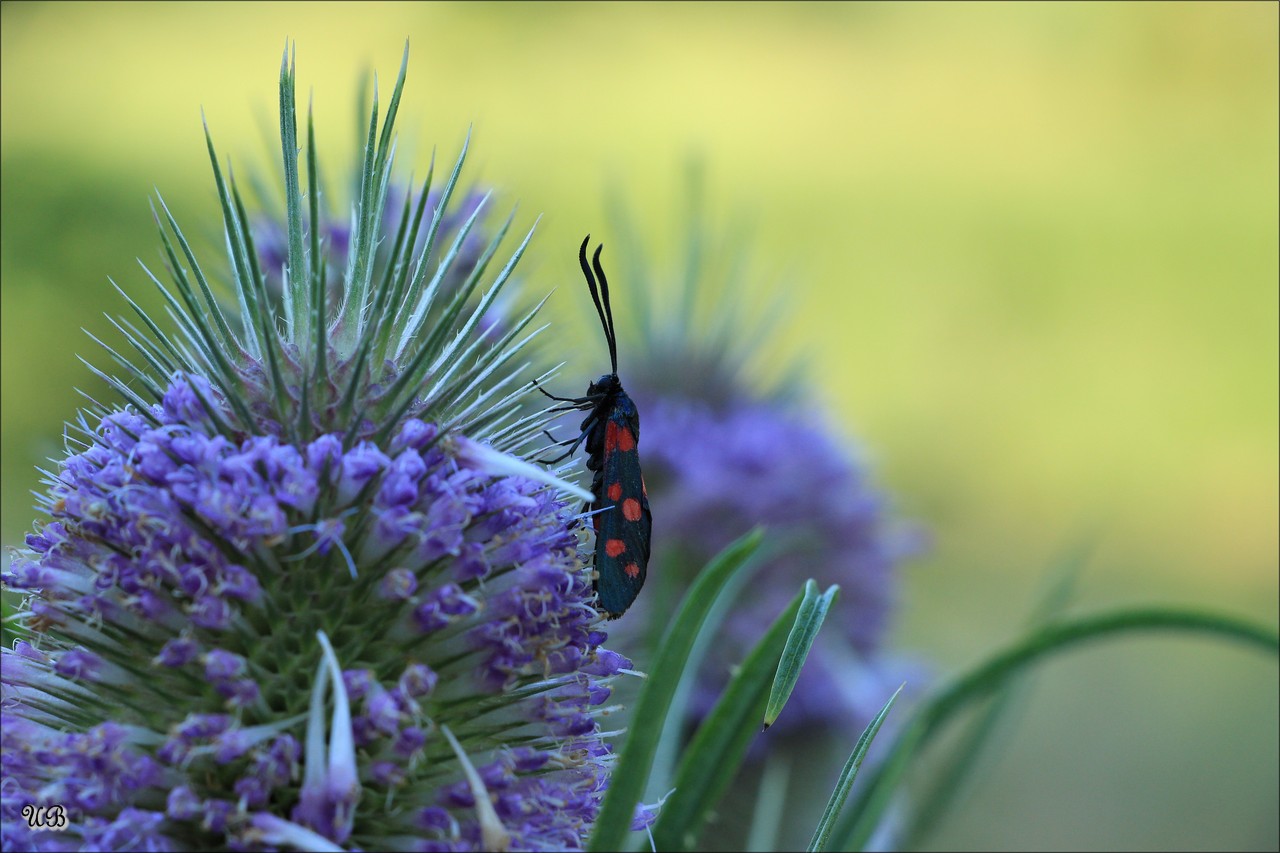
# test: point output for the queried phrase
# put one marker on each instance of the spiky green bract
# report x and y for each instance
(401, 339)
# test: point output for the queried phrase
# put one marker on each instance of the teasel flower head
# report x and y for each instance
(302, 591)
(728, 446)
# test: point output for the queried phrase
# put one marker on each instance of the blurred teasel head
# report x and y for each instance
(302, 591)
(732, 441)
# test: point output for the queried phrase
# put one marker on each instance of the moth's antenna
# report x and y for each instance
(606, 319)
(608, 309)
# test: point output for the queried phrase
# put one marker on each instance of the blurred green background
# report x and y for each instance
(1031, 250)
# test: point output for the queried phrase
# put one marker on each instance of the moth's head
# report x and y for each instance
(606, 384)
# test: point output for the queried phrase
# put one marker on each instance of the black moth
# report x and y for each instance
(611, 430)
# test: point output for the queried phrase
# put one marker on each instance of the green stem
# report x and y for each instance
(989, 676)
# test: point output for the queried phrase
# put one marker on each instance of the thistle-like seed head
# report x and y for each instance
(301, 592)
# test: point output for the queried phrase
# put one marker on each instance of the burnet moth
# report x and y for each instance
(611, 430)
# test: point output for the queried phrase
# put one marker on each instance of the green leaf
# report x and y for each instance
(771, 802)
(712, 759)
(666, 761)
(858, 824)
(950, 780)
(813, 610)
(632, 770)
(822, 833)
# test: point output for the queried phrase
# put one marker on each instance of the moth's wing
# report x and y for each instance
(624, 528)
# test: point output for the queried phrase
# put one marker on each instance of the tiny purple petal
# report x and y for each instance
(398, 585)
(220, 665)
(357, 683)
(418, 680)
(183, 804)
(78, 664)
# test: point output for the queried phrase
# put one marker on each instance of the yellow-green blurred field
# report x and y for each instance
(1031, 251)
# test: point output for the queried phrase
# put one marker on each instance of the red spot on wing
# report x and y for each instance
(618, 437)
(632, 570)
(614, 547)
(615, 491)
(631, 509)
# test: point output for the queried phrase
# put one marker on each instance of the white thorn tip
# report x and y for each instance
(485, 458)
(493, 835)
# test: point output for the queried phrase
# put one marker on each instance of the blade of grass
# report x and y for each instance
(822, 833)
(666, 759)
(957, 772)
(766, 817)
(858, 824)
(712, 759)
(632, 770)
